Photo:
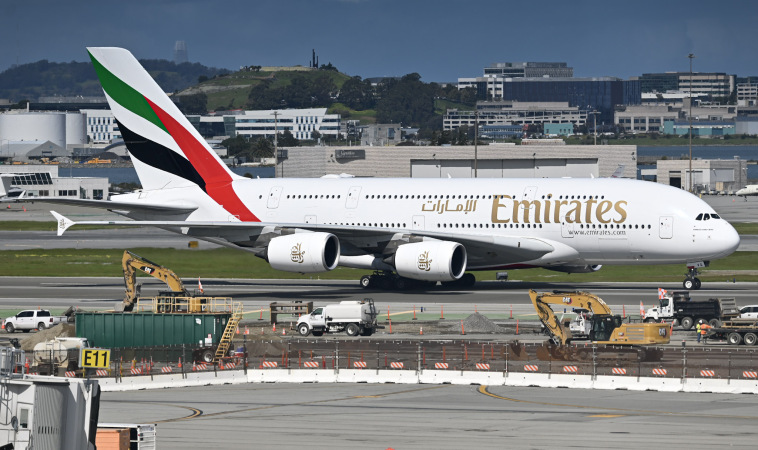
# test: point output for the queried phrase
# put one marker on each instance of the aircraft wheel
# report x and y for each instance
(365, 281)
(468, 280)
(697, 283)
(688, 283)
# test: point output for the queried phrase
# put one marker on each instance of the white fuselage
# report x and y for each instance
(750, 189)
(586, 221)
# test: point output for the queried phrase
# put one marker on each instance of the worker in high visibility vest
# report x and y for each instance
(703, 330)
(697, 330)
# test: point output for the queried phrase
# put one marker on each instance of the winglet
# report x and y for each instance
(63, 223)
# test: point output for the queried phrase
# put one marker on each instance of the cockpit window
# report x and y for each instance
(715, 216)
(699, 217)
(707, 216)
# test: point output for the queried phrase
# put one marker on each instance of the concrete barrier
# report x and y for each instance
(603, 382)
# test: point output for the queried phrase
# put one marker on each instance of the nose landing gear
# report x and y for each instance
(692, 281)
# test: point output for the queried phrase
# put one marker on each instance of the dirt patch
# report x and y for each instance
(62, 330)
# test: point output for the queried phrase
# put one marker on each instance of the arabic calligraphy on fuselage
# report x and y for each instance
(506, 209)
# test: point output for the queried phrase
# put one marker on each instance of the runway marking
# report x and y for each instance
(608, 416)
(483, 390)
(199, 413)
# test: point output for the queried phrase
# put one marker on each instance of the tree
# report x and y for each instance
(262, 148)
(287, 139)
(407, 101)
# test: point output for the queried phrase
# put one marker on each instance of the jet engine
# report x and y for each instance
(304, 252)
(431, 260)
(575, 269)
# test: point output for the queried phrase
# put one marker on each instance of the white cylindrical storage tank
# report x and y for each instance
(76, 129)
(34, 127)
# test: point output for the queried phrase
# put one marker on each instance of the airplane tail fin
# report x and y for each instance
(166, 149)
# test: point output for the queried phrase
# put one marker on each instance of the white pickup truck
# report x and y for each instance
(32, 319)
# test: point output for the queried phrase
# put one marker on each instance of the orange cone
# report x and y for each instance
(238, 330)
(180, 362)
(194, 366)
(247, 331)
(221, 364)
(284, 332)
(26, 365)
(421, 330)
(274, 328)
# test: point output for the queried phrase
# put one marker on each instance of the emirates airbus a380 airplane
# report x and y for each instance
(408, 229)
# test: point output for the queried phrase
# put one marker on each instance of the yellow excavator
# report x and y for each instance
(604, 327)
(131, 263)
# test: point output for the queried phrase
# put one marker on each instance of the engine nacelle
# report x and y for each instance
(575, 269)
(431, 260)
(304, 252)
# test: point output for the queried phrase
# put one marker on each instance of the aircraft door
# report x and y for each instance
(353, 195)
(418, 222)
(273, 197)
(567, 228)
(666, 230)
(529, 193)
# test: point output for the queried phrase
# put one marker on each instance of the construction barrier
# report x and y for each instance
(619, 371)
(531, 368)
(101, 373)
(396, 365)
(70, 373)
(441, 365)
(750, 374)
(136, 371)
(482, 366)
(570, 369)
(166, 369)
(269, 365)
(707, 373)
(310, 364)
(659, 372)
(360, 364)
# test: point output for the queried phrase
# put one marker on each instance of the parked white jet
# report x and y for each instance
(750, 189)
(404, 229)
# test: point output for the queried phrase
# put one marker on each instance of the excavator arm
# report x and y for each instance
(131, 263)
(585, 300)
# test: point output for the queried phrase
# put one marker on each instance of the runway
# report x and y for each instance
(295, 416)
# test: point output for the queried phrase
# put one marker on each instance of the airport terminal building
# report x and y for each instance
(485, 161)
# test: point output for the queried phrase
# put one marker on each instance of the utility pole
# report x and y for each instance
(276, 141)
(690, 56)
(594, 116)
(476, 143)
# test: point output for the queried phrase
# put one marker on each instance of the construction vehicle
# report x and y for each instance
(131, 263)
(680, 307)
(58, 355)
(606, 328)
(735, 332)
(352, 317)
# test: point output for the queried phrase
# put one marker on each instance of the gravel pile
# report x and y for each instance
(32, 339)
(477, 323)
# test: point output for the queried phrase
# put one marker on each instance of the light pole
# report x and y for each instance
(690, 56)
(276, 141)
(594, 117)
(476, 143)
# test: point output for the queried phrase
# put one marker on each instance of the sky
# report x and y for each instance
(441, 40)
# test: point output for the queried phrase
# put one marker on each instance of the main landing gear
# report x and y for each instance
(692, 281)
(392, 281)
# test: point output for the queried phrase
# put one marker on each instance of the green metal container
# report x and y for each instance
(125, 330)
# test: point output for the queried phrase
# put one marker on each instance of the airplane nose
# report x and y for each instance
(730, 240)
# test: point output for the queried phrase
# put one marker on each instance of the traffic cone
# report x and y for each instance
(238, 330)
(194, 366)
(247, 331)
(274, 328)
(26, 365)
(180, 362)
(24, 208)
(134, 363)
(221, 364)
(284, 332)
(421, 331)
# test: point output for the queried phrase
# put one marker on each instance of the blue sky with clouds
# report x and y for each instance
(441, 40)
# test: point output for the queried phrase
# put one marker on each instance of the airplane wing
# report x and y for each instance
(483, 250)
(118, 206)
